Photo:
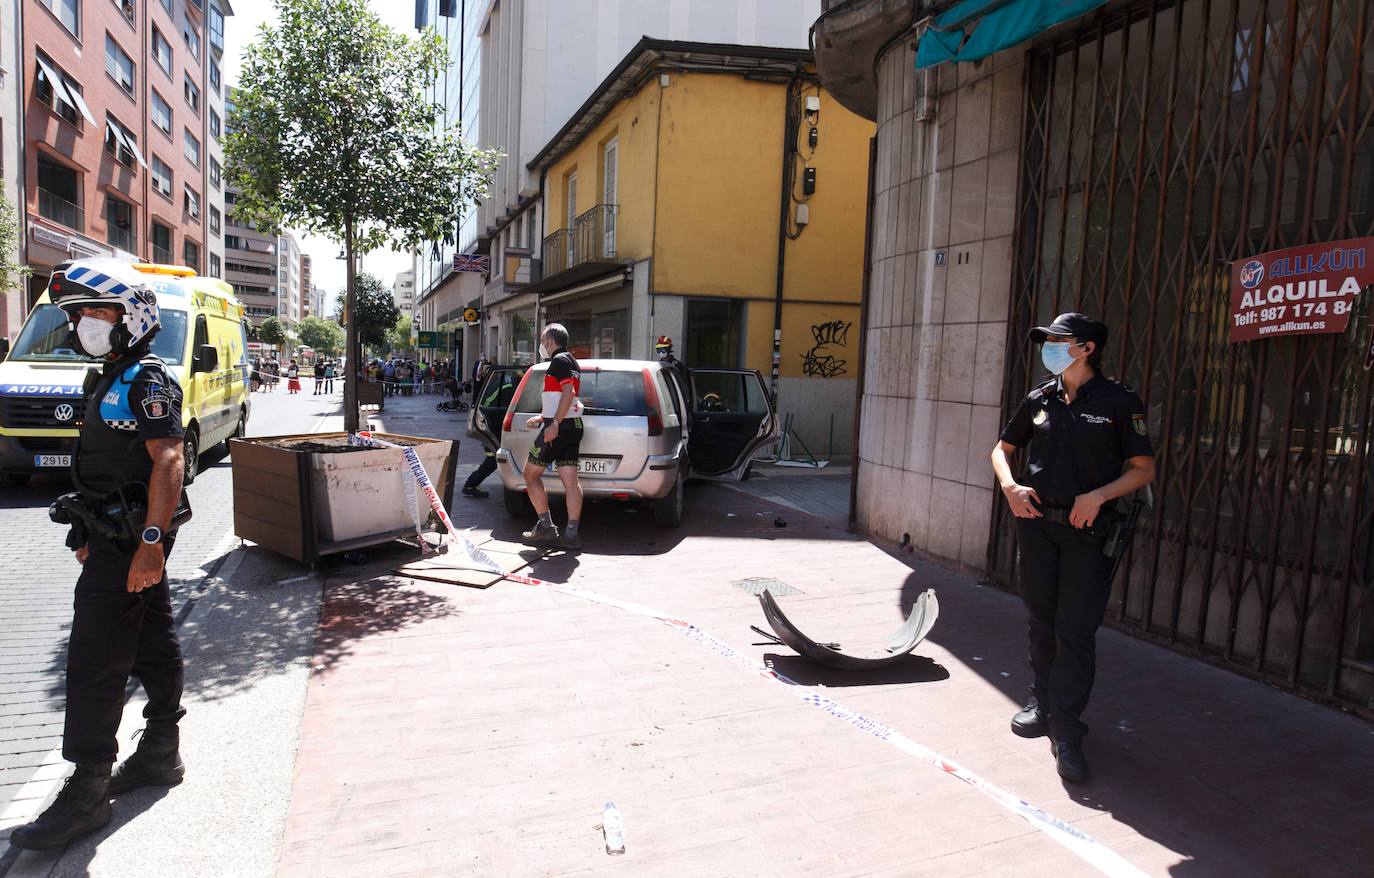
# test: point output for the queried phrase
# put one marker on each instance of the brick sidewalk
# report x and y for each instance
(460, 731)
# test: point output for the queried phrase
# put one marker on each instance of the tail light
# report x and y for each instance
(514, 400)
(651, 402)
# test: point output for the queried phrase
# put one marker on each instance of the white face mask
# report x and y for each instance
(94, 335)
(544, 350)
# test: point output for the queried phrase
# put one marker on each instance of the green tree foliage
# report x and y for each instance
(333, 134)
(376, 310)
(12, 271)
(399, 335)
(325, 336)
(272, 333)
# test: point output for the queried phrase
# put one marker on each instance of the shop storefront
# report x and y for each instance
(1163, 143)
(598, 324)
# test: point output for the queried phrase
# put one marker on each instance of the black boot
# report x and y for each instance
(156, 762)
(1030, 721)
(1070, 761)
(82, 806)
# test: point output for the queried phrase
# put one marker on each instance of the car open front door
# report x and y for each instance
(493, 397)
(732, 418)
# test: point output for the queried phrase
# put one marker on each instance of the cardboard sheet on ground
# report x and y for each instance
(455, 566)
(902, 641)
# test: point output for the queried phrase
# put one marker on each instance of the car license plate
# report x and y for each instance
(595, 466)
(49, 460)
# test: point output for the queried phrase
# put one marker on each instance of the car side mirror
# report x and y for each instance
(207, 358)
(4, 349)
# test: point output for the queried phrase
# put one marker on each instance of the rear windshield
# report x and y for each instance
(603, 393)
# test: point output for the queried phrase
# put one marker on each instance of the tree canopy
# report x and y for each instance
(333, 131)
(272, 332)
(376, 310)
(325, 336)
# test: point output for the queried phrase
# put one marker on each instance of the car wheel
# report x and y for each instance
(241, 429)
(668, 511)
(190, 449)
(14, 480)
(517, 503)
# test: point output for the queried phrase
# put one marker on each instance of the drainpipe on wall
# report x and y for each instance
(863, 330)
(789, 146)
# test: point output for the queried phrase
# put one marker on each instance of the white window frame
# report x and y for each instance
(156, 171)
(610, 181)
(570, 195)
(190, 147)
(159, 38)
(115, 60)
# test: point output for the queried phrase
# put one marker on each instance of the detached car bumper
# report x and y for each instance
(654, 482)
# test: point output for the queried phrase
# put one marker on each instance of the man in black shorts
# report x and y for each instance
(558, 441)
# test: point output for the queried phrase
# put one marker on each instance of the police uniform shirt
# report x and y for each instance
(1080, 446)
(144, 400)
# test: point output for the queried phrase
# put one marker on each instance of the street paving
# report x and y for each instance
(39, 572)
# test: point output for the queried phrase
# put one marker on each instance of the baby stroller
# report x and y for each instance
(456, 391)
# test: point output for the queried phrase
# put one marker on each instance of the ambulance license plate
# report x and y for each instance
(52, 460)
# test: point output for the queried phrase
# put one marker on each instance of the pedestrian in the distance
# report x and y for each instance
(1088, 447)
(128, 460)
(293, 377)
(329, 374)
(558, 442)
(319, 377)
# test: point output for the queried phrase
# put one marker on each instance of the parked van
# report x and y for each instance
(646, 430)
(203, 341)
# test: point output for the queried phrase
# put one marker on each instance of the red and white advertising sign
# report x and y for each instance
(1300, 290)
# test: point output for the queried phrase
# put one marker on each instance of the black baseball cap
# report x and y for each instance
(1075, 325)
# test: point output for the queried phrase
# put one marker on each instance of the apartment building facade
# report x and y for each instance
(307, 286)
(14, 301)
(403, 292)
(120, 158)
(288, 280)
(250, 266)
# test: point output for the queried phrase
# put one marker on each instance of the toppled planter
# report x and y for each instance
(307, 496)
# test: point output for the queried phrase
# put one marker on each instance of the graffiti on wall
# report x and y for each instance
(819, 362)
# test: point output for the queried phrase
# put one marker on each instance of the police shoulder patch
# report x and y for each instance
(1138, 421)
(157, 404)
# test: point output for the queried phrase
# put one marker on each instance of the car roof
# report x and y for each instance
(609, 365)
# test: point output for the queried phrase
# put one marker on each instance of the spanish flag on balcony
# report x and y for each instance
(974, 29)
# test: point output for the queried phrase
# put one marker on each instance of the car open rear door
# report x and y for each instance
(494, 393)
(732, 417)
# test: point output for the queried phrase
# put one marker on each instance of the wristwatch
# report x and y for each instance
(152, 535)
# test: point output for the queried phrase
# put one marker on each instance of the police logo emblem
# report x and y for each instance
(1138, 421)
(1040, 417)
(156, 406)
(64, 412)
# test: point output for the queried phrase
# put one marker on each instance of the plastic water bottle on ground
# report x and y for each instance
(613, 825)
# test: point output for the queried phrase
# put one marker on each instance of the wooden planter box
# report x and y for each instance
(284, 498)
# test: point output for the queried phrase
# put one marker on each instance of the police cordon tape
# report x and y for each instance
(1089, 849)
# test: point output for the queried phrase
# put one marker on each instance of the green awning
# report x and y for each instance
(974, 29)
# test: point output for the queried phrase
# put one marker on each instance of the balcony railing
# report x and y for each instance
(59, 209)
(162, 255)
(124, 239)
(558, 252)
(591, 239)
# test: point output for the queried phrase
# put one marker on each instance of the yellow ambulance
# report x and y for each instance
(203, 341)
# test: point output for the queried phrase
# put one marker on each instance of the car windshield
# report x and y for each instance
(603, 393)
(45, 338)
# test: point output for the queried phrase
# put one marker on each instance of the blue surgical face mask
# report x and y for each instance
(1056, 357)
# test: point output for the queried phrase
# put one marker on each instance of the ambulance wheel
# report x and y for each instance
(14, 480)
(190, 449)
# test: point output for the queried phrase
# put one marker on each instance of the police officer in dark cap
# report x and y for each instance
(1088, 447)
(128, 468)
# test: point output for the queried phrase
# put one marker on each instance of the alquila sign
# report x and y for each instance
(1299, 290)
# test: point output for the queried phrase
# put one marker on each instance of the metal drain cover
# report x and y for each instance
(755, 586)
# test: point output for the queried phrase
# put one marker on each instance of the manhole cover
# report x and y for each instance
(755, 585)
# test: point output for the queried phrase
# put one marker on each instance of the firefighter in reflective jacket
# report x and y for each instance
(1088, 446)
(127, 468)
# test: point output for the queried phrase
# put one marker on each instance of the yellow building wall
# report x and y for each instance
(718, 178)
(633, 124)
(826, 261)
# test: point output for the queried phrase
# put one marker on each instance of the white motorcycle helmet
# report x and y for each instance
(109, 282)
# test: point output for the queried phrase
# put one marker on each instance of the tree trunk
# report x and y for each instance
(354, 367)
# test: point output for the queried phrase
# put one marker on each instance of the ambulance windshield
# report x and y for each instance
(45, 338)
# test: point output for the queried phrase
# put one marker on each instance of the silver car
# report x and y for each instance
(647, 428)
